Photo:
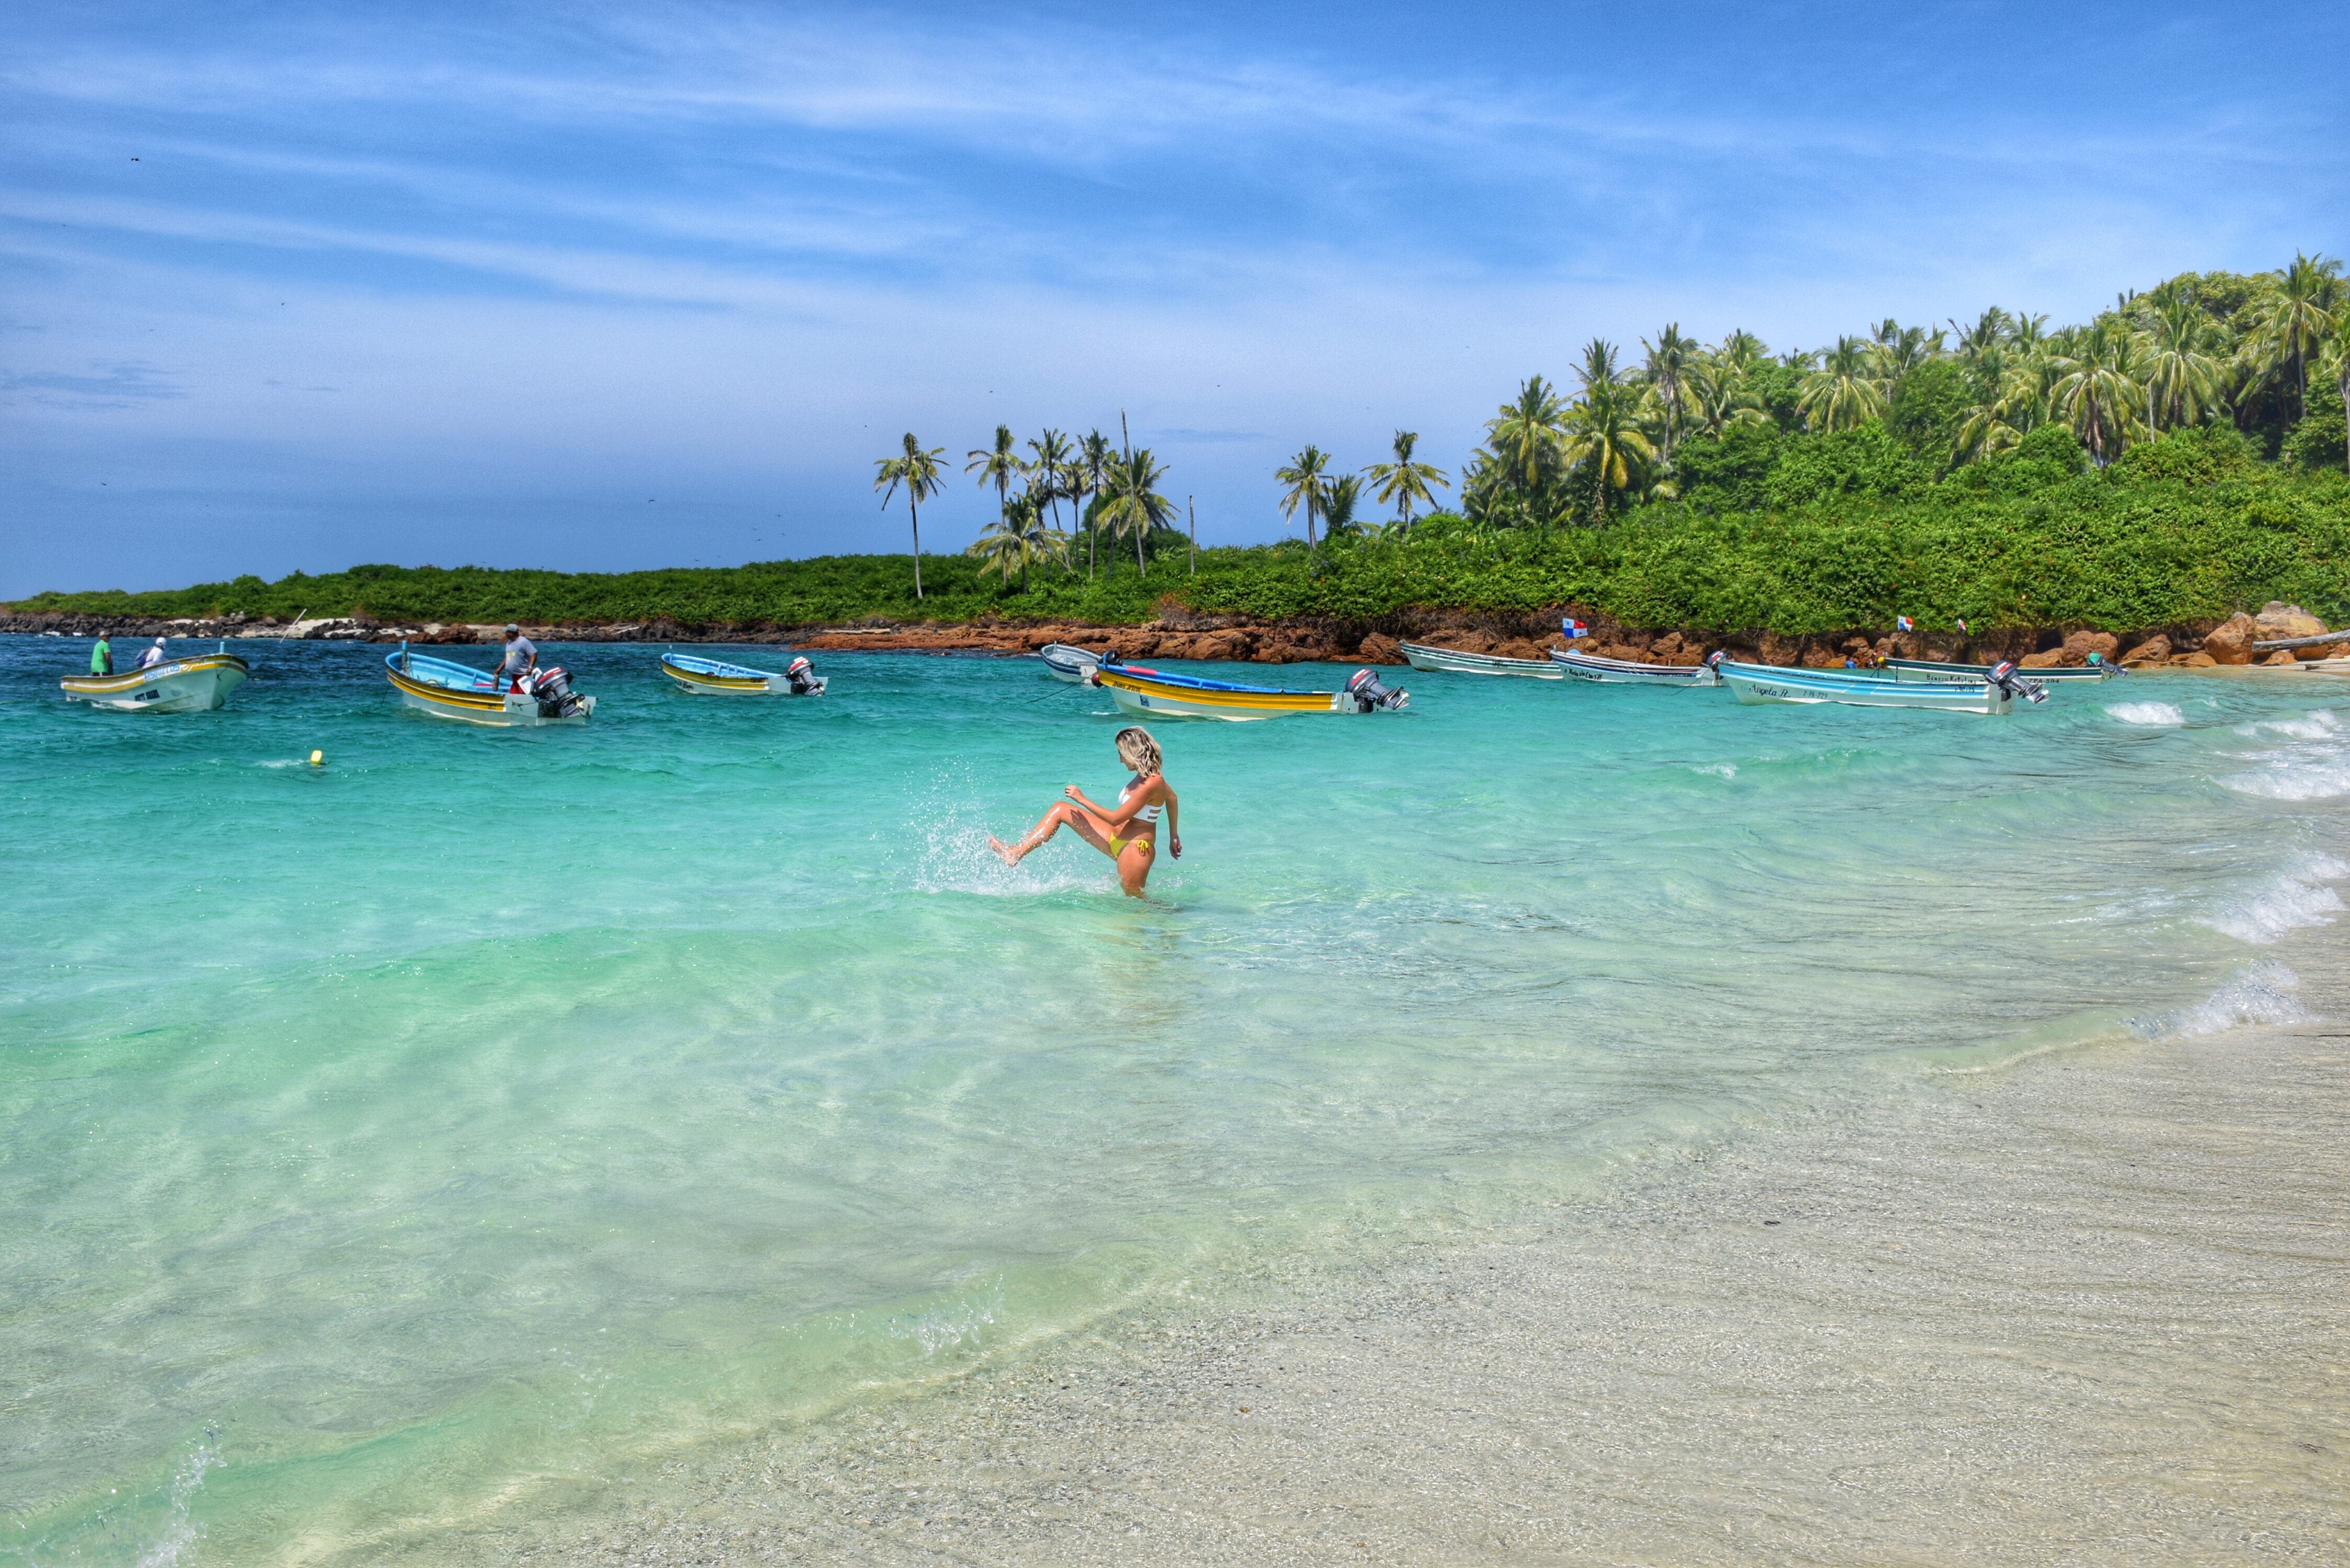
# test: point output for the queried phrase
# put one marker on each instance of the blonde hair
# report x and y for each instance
(1137, 751)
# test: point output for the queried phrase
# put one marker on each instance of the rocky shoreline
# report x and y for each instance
(1180, 634)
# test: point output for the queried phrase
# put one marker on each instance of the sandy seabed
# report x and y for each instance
(2092, 1308)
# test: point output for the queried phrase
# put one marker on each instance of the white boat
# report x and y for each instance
(1584, 666)
(1420, 656)
(715, 678)
(1850, 687)
(1927, 670)
(1069, 664)
(447, 689)
(1159, 694)
(192, 685)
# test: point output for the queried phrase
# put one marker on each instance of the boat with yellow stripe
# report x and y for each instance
(192, 685)
(447, 689)
(1159, 694)
(715, 678)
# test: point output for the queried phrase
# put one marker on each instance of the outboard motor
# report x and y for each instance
(1367, 693)
(805, 679)
(552, 687)
(2004, 676)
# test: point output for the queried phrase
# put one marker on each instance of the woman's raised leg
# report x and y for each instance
(1091, 828)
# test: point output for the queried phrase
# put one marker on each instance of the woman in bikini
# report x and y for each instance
(1127, 832)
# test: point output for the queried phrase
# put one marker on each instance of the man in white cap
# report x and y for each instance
(154, 655)
(522, 656)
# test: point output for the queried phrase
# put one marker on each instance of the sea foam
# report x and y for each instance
(2161, 715)
(2287, 901)
(2261, 993)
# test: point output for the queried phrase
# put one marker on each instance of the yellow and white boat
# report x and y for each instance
(447, 689)
(714, 678)
(193, 685)
(1159, 695)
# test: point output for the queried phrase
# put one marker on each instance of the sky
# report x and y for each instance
(598, 288)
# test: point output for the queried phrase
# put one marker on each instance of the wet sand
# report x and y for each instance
(2091, 1308)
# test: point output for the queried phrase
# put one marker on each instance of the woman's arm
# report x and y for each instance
(1174, 834)
(1136, 798)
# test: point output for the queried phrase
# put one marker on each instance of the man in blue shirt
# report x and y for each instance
(522, 656)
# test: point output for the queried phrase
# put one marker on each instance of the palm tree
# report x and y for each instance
(1007, 540)
(1603, 433)
(1719, 397)
(1523, 437)
(1990, 330)
(2297, 320)
(1134, 507)
(2183, 381)
(1669, 361)
(1307, 486)
(1052, 462)
(1403, 482)
(1338, 507)
(1742, 351)
(1842, 394)
(998, 465)
(918, 471)
(2094, 391)
(2028, 335)
(2006, 406)
(1086, 476)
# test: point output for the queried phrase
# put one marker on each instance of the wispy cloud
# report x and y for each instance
(120, 385)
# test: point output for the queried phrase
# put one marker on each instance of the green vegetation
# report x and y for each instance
(2176, 459)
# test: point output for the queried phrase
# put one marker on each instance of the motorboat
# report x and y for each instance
(715, 678)
(1068, 663)
(196, 684)
(1158, 694)
(1995, 694)
(1421, 656)
(1929, 670)
(1581, 666)
(447, 689)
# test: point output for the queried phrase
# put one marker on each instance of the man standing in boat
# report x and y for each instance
(522, 656)
(101, 657)
(153, 657)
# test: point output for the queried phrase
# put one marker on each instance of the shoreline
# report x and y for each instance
(1246, 639)
(2084, 1307)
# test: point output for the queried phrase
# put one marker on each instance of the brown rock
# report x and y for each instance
(2282, 656)
(2231, 643)
(2193, 662)
(2153, 651)
(1380, 648)
(1824, 659)
(2334, 650)
(2104, 644)
(1519, 648)
(2051, 659)
(1230, 644)
(2277, 620)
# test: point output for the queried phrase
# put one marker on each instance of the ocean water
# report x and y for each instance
(472, 1124)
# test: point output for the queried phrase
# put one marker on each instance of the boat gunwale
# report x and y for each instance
(107, 685)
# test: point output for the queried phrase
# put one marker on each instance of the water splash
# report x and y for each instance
(2260, 993)
(181, 1529)
(2287, 901)
(2160, 715)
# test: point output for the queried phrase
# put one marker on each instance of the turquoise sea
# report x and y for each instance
(480, 1119)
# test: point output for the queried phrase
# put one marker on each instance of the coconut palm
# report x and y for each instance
(1843, 394)
(1134, 507)
(2183, 380)
(2297, 320)
(2093, 390)
(1524, 436)
(1603, 436)
(1306, 477)
(918, 471)
(1338, 507)
(1051, 466)
(2006, 407)
(1989, 331)
(1403, 482)
(1719, 397)
(1088, 473)
(1667, 368)
(1742, 351)
(998, 465)
(2029, 336)
(1010, 540)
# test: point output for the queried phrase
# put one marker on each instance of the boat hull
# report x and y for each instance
(1919, 672)
(1763, 685)
(1070, 664)
(704, 683)
(1449, 660)
(1624, 672)
(507, 710)
(1155, 698)
(194, 685)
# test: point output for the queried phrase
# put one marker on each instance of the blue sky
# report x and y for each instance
(596, 288)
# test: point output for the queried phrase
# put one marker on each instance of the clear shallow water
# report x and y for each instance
(478, 1119)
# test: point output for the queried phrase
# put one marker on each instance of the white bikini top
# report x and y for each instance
(1148, 814)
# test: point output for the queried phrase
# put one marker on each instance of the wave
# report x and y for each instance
(2162, 715)
(2287, 901)
(2319, 769)
(2261, 993)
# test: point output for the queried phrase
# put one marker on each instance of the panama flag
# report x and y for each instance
(1902, 622)
(1574, 627)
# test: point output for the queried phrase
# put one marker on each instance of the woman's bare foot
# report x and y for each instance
(1010, 856)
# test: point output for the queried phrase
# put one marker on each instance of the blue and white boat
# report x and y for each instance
(715, 678)
(1068, 663)
(447, 689)
(1583, 666)
(1994, 695)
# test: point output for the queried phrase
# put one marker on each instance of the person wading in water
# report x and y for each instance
(1127, 832)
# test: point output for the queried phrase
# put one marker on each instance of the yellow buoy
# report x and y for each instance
(317, 759)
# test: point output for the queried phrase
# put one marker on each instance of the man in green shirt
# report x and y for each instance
(101, 657)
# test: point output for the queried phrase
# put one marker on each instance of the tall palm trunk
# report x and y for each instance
(915, 513)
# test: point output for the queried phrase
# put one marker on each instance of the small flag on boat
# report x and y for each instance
(1574, 627)
(1902, 622)
(1962, 623)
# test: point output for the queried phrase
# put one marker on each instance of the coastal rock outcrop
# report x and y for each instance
(2231, 642)
(2153, 651)
(2282, 620)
